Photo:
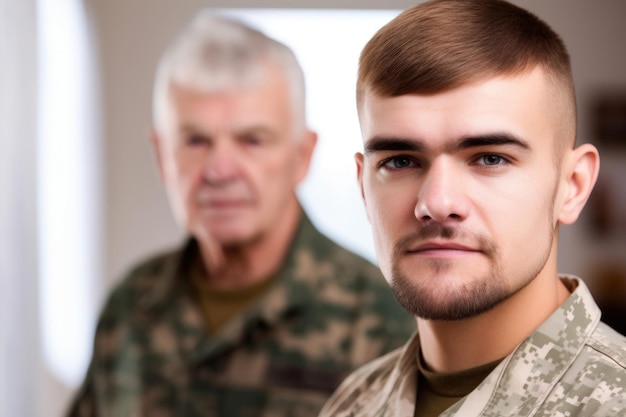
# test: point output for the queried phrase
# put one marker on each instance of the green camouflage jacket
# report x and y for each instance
(328, 312)
(572, 365)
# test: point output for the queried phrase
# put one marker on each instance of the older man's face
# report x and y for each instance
(230, 161)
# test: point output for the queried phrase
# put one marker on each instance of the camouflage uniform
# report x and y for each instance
(328, 312)
(572, 365)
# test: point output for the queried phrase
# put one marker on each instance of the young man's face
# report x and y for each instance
(460, 190)
(230, 161)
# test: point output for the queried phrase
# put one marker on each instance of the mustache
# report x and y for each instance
(437, 231)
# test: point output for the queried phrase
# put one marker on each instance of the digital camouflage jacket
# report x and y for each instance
(328, 312)
(572, 365)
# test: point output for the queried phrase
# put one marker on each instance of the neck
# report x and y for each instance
(451, 346)
(249, 262)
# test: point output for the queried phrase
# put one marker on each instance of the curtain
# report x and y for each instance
(19, 353)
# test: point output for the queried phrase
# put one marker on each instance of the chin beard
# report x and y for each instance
(451, 300)
(449, 304)
(459, 298)
(449, 293)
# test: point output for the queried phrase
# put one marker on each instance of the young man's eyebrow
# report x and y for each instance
(490, 139)
(380, 144)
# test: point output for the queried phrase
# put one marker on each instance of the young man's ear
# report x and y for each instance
(360, 161)
(358, 158)
(582, 166)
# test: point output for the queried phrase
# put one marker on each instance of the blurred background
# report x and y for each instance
(80, 198)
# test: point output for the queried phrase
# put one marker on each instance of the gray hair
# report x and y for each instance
(216, 53)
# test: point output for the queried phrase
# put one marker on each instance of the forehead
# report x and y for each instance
(519, 105)
(263, 80)
(265, 100)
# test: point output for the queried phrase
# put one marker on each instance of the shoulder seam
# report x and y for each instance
(607, 350)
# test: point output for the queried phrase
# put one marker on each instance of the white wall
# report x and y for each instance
(19, 341)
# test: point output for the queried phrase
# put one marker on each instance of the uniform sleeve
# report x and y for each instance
(83, 404)
(86, 401)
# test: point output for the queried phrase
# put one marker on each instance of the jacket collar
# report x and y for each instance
(296, 285)
(524, 379)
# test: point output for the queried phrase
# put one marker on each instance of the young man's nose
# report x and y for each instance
(442, 194)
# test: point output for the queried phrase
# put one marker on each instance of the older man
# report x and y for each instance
(258, 313)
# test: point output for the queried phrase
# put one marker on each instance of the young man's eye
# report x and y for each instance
(492, 160)
(398, 162)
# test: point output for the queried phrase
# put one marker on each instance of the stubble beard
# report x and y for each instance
(450, 299)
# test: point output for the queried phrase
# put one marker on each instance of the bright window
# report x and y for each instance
(68, 188)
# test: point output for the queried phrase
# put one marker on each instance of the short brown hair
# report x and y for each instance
(443, 44)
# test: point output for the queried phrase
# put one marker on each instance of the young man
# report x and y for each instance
(468, 117)
(257, 314)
